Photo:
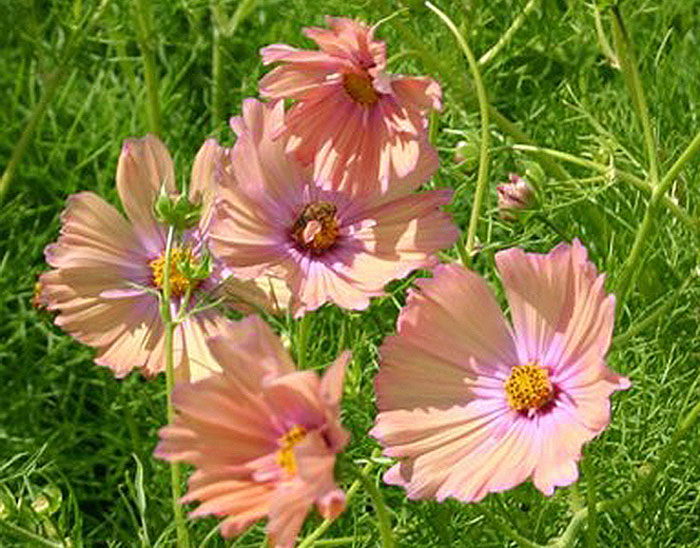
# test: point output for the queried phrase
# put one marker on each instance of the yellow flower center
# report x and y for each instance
(179, 283)
(285, 455)
(359, 87)
(528, 387)
(317, 228)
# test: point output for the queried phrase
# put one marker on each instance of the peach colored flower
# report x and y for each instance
(262, 436)
(106, 269)
(354, 118)
(470, 405)
(329, 244)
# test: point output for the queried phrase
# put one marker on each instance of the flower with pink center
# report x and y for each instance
(472, 405)
(262, 435)
(350, 116)
(329, 244)
(107, 270)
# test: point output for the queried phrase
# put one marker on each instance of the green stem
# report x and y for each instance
(482, 177)
(506, 37)
(70, 49)
(311, 539)
(643, 484)
(145, 37)
(652, 318)
(304, 328)
(383, 519)
(591, 495)
(221, 30)
(688, 154)
(217, 95)
(32, 538)
(630, 268)
(505, 529)
(628, 65)
(603, 40)
(464, 89)
(169, 328)
(635, 181)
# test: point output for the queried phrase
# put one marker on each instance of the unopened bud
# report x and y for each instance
(195, 269)
(467, 154)
(176, 210)
(513, 196)
(534, 174)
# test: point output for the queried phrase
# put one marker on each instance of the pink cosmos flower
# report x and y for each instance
(329, 244)
(470, 405)
(106, 269)
(354, 118)
(262, 436)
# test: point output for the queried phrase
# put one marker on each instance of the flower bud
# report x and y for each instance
(195, 269)
(176, 210)
(514, 196)
(467, 154)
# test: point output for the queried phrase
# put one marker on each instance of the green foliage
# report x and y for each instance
(76, 444)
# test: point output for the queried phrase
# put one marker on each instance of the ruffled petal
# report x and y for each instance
(144, 166)
(559, 306)
(420, 93)
(440, 317)
(250, 352)
(207, 170)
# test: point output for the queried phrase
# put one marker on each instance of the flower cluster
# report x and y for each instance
(315, 204)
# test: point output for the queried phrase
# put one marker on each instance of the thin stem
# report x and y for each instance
(505, 529)
(591, 495)
(643, 484)
(222, 29)
(630, 268)
(310, 540)
(464, 88)
(20, 532)
(70, 49)
(217, 98)
(603, 40)
(652, 318)
(482, 176)
(635, 181)
(169, 328)
(384, 522)
(628, 65)
(145, 37)
(303, 332)
(687, 155)
(506, 37)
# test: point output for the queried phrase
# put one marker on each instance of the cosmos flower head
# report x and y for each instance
(107, 270)
(506, 403)
(330, 244)
(261, 435)
(350, 117)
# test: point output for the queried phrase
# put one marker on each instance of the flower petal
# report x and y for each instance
(144, 166)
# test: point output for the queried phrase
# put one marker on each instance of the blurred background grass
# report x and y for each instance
(75, 444)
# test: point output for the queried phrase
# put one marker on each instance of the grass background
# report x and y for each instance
(71, 433)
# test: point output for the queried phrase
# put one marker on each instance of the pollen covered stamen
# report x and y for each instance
(285, 455)
(179, 283)
(528, 387)
(359, 88)
(317, 228)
